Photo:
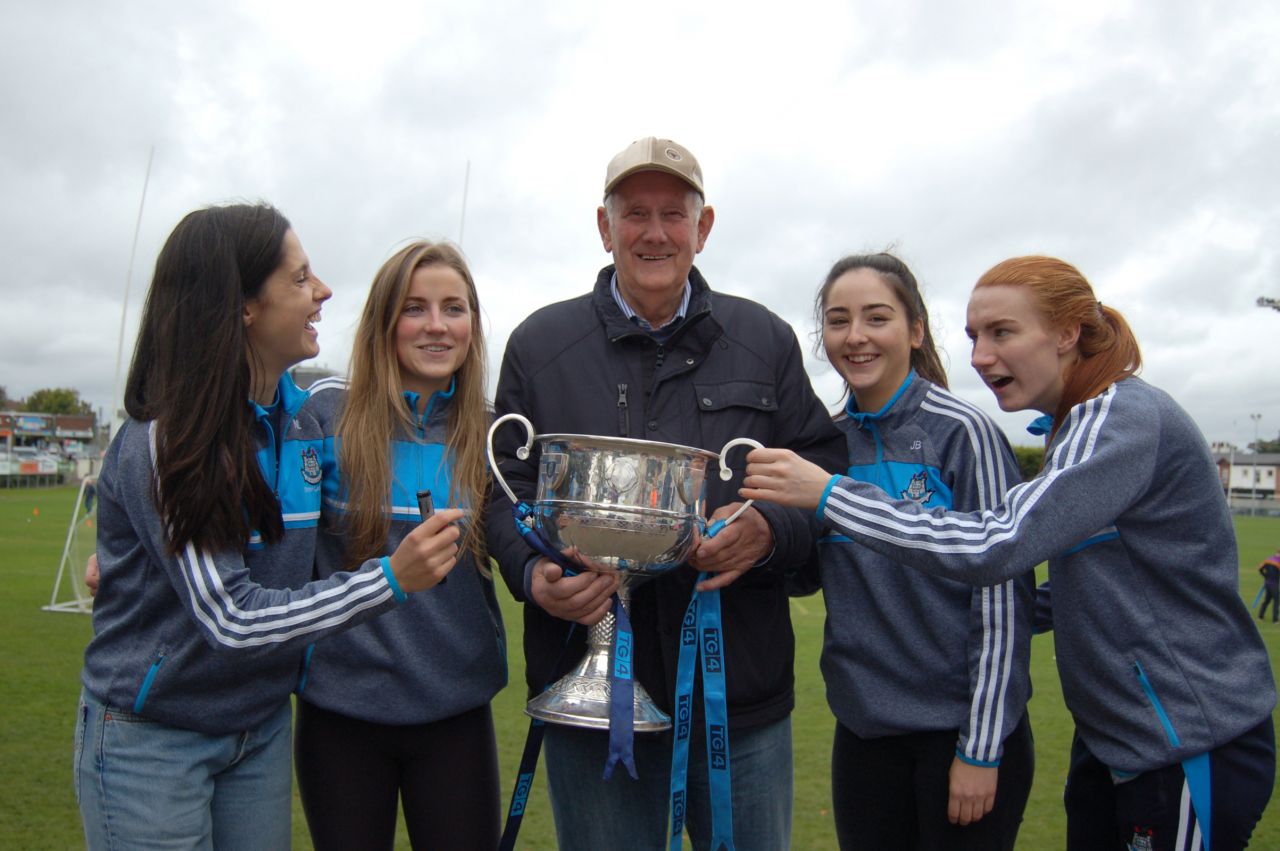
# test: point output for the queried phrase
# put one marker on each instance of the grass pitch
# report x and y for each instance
(40, 656)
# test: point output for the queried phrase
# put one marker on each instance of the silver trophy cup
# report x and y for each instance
(614, 505)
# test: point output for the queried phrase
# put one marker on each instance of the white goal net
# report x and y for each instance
(69, 591)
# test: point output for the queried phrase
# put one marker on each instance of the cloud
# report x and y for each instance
(1138, 146)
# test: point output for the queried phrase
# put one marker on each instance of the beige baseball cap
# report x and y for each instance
(654, 154)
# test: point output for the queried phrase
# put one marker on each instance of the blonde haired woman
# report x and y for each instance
(401, 712)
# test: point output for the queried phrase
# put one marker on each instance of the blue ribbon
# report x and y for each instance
(621, 681)
(621, 695)
(717, 715)
(702, 635)
(682, 720)
(524, 782)
(522, 513)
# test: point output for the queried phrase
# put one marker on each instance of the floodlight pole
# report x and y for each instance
(462, 221)
(1253, 507)
(124, 308)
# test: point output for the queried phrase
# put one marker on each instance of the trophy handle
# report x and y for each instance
(522, 453)
(726, 473)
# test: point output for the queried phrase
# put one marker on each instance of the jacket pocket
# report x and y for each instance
(304, 669)
(147, 683)
(758, 395)
(1163, 716)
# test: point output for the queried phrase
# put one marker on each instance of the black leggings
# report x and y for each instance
(352, 772)
(892, 792)
(1149, 808)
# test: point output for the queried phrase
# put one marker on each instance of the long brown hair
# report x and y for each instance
(897, 276)
(375, 407)
(191, 374)
(1108, 351)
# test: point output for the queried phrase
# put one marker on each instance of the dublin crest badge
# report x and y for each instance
(917, 489)
(310, 466)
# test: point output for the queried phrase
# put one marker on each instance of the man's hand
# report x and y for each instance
(782, 476)
(734, 549)
(584, 598)
(973, 792)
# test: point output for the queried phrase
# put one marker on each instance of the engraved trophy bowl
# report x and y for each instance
(614, 505)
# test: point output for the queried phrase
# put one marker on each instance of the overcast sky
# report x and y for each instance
(1138, 141)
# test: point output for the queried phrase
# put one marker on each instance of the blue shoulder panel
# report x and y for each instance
(900, 480)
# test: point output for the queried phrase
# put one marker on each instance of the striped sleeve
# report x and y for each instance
(233, 611)
(999, 636)
(1096, 469)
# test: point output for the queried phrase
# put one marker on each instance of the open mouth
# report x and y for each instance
(312, 320)
(999, 382)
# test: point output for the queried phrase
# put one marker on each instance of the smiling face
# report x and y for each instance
(654, 227)
(868, 337)
(280, 320)
(1015, 353)
(433, 331)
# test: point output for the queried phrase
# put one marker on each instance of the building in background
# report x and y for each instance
(1248, 479)
(43, 449)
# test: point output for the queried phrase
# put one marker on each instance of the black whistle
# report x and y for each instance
(426, 508)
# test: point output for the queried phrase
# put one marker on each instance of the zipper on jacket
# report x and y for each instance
(306, 668)
(622, 410)
(1155, 704)
(146, 684)
(273, 452)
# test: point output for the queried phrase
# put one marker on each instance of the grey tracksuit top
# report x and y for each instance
(1158, 655)
(441, 653)
(906, 652)
(213, 641)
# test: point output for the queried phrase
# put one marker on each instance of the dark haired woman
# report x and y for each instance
(396, 712)
(928, 677)
(208, 500)
(1162, 668)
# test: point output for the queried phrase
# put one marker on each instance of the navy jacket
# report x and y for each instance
(730, 369)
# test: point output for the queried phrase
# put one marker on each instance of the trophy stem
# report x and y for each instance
(581, 697)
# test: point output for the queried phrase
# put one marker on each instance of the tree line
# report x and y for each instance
(47, 400)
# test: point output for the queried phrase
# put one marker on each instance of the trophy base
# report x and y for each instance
(581, 699)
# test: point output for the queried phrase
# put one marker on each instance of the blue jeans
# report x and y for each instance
(592, 814)
(143, 784)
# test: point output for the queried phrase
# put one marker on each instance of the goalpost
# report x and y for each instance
(82, 535)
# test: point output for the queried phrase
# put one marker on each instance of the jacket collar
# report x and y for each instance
(288, 396)
(894, 411)
(618, 326)
(436, 404)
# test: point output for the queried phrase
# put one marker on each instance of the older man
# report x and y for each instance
(653, 353)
